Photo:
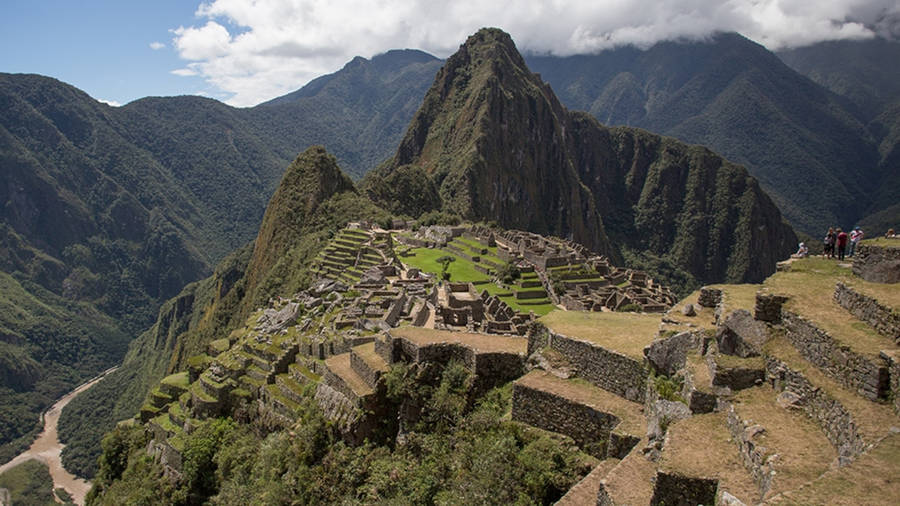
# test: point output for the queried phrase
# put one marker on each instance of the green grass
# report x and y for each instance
(28, 483)
(626, 333)
(539, 309)
(178, 380)
(881, 241)
(810, 288)
(461, 270)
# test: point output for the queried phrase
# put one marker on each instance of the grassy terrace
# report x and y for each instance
(810, 286)
(462, 270)
(178, 380)
(873, 420)
(539, 306)
(701, 446)
(630, 413)
(882, 241)
(888, 294)
(478, 342)
(871, 475)
(626, 333)
(803, 451)
(477, 246)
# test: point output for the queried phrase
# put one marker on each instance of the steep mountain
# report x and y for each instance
(313, 201)
(805, 145)
(492, 142)
(866, 74)
(358, 113)
(108, 211)
(864, 71)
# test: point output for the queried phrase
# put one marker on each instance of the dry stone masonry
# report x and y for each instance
(335, 341)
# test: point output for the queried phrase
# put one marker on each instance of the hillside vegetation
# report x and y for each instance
(679, 209)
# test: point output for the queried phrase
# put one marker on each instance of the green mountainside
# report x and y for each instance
(492, 142)
(864, 72)
(115, 210)
(110, 212)
(807, 146)
(314, 200)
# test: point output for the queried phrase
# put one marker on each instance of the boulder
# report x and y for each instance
(668, 355)
(688, 310)
(741, 335)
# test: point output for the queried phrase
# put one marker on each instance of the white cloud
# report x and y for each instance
(156, 46)
(254, 50)
(185, 72)
(110, 102)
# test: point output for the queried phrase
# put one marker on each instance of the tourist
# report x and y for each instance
(841, 244)
(802, 251)
(855, 236)
(828, 242)
(890, 233)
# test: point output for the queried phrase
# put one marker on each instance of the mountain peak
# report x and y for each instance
(491, 141)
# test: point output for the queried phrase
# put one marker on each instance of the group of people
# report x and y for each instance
(837, 240)
(835, 243)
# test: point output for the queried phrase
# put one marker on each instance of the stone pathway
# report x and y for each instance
(47, 448)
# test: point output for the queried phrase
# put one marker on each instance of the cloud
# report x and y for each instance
(156, 46)
(185, 72)
(255, 50)
(110, 102)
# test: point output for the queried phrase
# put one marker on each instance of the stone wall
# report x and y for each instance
(893, 359)
(877, 264)
(490, 369)
(753, 455)
(836, 422)
(590, 428)
(879, 316)
(867, 376)
(768, 307)
(709, 297)
(614, 372)
(677, 489)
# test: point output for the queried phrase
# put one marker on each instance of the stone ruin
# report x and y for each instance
(460, 306)
(576, 278)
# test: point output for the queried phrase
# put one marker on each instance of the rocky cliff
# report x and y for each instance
(492, 142)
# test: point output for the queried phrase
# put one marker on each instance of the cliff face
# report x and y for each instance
(490, 137)
(492, 142)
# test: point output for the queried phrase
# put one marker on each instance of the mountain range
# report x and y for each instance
(108, 212)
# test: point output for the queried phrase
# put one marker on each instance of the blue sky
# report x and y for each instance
(101, 47)
(244, 52)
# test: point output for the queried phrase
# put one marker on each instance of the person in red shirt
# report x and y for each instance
(841, 244)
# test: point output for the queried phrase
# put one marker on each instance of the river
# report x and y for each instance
(47, 448)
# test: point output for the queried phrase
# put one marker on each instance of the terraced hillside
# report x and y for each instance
(781, 392)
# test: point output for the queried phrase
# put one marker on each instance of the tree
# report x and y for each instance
(445, 264)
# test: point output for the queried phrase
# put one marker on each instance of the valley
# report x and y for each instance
(47, 449)
(465, 288)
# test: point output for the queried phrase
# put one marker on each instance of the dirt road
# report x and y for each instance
(47, 448)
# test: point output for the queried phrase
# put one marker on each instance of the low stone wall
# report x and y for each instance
(768, 307)
(677, 489)
(744, 373)
(590, 428)
(868, 376)
(709, 297)
(836, 422)
(879, 316)
(753, 455)
(877, 264)
(611, 371)
(490, 369)
(893, 359)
